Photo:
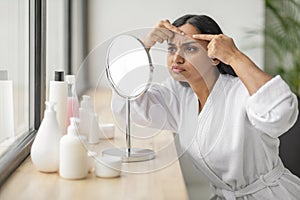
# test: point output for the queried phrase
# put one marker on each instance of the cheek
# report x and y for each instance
(169, 61)
(200, 62)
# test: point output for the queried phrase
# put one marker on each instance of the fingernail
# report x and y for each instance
(182, 33)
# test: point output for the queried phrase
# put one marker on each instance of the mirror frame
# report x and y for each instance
(108, 74)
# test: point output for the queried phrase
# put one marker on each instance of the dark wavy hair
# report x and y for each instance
(205, 25)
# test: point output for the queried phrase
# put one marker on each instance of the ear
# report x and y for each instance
(215, 61)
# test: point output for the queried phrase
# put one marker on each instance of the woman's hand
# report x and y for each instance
(161, 32)
(220, 47)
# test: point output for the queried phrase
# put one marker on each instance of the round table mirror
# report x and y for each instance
(129, 71)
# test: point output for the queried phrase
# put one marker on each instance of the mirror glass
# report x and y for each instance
(129, 67)
(129, 71)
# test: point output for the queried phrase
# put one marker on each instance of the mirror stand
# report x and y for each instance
(129, 154)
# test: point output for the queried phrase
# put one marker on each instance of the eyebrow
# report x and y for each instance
(184, 44)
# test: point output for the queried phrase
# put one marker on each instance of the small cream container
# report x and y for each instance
(108, 167)
(107, 131)
(91, 162)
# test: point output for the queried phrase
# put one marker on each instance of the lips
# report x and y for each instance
(177, 69)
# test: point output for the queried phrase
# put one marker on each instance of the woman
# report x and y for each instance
(227, 111)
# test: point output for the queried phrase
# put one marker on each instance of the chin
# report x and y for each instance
(178, 77)
(181, 80)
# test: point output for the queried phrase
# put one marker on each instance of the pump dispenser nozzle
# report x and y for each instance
(73, 128)
(70, 79)
(74, 121)
(86, 103)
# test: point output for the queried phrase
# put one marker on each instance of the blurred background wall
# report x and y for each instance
(108, 18)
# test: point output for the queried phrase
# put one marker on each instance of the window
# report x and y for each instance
(21, 80)
(14, 67)
(32, 46)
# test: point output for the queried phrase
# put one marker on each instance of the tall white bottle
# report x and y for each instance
(58, 93)
(85, 116)
(95, 131)
(74, 163)
(45, 147)
(6, 107)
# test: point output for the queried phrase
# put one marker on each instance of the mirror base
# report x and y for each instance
(136, 154)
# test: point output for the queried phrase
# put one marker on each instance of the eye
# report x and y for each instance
(172, 49)
(190, 49)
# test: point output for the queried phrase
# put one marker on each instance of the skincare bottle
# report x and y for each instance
(72, 101)
(6, 107)
(45, 147)
(85, 112)
(74, 163)
(94, 132)
(58, 93)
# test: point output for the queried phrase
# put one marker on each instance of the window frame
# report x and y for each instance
(20, 149)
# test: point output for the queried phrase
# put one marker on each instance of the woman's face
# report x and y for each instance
(187, 57)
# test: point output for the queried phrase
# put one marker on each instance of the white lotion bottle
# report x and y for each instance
(6, 107)
(58, 93)
(74, 162)
(45, 147)
(85, 112)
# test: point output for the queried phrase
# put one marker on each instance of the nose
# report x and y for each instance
(178, 59)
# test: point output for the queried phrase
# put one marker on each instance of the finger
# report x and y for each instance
(211, 45)
(167, 32)
(207, 37)
(216, 61)
(168, 25)
(161, 35)
(157, 38)
(164, 33)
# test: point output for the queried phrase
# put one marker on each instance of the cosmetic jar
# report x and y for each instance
(108, 167)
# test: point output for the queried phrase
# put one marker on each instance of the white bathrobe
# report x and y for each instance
(234, 139)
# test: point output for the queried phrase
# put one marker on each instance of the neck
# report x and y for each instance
(204, 86)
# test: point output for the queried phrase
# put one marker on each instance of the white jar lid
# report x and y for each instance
(107, 131)
(108, 167)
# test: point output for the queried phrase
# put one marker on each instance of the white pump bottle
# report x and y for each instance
(45, 148)
(73, 157)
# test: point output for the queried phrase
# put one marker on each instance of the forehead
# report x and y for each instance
(178, 39)
(189, 30)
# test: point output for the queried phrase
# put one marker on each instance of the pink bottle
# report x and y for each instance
(72, 101)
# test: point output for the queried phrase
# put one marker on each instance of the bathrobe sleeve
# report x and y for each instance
(273, 109)
(157, 108)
